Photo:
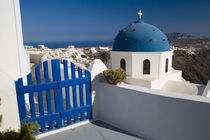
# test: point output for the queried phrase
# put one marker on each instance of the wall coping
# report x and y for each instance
(156, 92)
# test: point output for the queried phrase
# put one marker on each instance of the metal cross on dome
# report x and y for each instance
(140, 14)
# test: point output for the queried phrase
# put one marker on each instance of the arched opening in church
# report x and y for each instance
(123, 64)
(146, 67)
(166, 65)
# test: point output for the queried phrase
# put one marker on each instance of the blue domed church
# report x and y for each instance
(143, 51)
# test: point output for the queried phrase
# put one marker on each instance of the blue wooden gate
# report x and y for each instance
(55, 112)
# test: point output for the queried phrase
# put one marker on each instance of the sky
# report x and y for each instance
(93, 20)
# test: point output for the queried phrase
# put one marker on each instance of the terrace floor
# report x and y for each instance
(96, 130)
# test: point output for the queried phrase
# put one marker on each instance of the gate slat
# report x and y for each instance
(73, 82)
(88, 94)
(46, 117)
(21, 100)
(57, 92)
(76, 110)
(38, 87)
(74, 90)
(48, 96)
(66, 77)
(81, 94)
(40, 98)
(31, 97)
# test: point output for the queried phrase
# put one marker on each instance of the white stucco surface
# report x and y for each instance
(154, 114)
(14, 61)
(115, 61)
(134, 63)
(96, 68)
(155, 83)
(8, 108)
(207, 90)
(182, 87)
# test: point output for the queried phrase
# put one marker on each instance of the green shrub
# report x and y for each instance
(26, 132)
(114, 76)
(10, 135)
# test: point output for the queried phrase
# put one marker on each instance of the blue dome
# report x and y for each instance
(141, 37)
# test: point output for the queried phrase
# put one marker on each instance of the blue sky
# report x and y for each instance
(81, 20)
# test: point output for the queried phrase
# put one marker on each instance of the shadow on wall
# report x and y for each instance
(152, 114)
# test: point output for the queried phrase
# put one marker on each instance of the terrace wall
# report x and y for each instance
(152, 114)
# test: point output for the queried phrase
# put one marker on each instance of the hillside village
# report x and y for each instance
(82, 57)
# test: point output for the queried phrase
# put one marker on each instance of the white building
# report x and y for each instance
(14, 61)
(143, 51)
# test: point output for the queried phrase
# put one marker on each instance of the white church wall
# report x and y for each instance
(139, 57)
(163, 57)
(153, 114)
(117, 56)
(134, 62)
(13, 61)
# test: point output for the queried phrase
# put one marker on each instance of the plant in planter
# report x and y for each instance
(114, 76)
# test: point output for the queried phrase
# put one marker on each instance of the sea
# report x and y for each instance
(77, 44)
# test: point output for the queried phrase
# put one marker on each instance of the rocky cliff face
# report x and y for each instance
(192, 56)
(195, 67)
(182, 40)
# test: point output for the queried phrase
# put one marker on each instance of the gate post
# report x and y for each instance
(20, 100)
(88, 93)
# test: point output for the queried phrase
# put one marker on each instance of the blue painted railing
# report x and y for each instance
(63, 114)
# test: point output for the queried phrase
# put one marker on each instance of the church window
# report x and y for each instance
(146, 67)
(166, 65)
(123, 64)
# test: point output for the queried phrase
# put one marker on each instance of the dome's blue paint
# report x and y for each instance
(141, 37)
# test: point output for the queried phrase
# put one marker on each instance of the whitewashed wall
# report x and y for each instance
(117, 56)
(14, 62)
(165, 55)
(134, 63)
(153, 114)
